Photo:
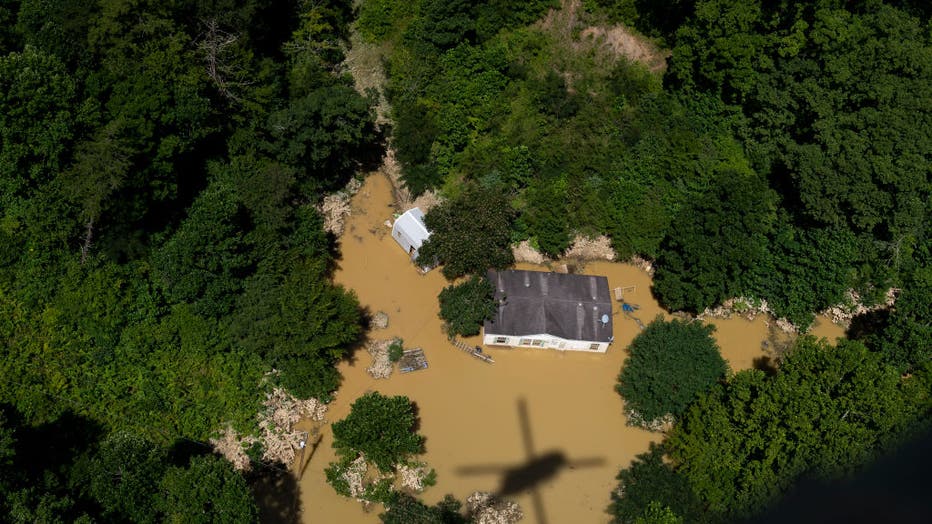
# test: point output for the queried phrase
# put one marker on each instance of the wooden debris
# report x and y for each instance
(412, 360)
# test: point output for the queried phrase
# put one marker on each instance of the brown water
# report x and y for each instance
(469, 409)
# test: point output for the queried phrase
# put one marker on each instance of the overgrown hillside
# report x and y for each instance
(162, 264)
(779, 157)
(781, 153)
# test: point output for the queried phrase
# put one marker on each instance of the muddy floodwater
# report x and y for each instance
(469, 410)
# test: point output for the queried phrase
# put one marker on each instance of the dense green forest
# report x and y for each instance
(162, 264)
(782, 156)
(778, 151)
(160, 254)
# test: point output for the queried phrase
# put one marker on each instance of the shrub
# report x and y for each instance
(464, 307)
(670, 365)
(395, 350)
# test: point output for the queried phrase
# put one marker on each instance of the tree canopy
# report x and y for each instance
(670, 364)
(381, 429)
(160, 252)
(828, 411)
(469, 234)
(465, 306)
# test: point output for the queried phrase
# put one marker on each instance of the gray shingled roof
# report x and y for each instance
(562, 305)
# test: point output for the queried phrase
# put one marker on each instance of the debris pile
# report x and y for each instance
(643, 264)
(379, 320)
(355, 476)
(524, 252)
(853, 306)
(278, 438)
(585, 248)
(231, 446)
(334, 208)
(486, 509)
(660, 424)
(412, 477)
(381, 366)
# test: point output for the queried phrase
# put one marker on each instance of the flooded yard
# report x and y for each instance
(470, 410)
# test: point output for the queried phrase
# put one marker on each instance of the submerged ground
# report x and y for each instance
(469, 411)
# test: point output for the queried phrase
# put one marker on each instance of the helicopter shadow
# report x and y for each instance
(528, 476)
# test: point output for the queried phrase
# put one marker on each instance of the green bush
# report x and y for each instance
(470, 233)
(465, 306)
(670, 365)
(381, 428)
(396, 350)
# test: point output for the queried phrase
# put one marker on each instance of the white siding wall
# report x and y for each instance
(545, 341)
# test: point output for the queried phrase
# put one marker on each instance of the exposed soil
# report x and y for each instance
(618, 41)
(469, 410)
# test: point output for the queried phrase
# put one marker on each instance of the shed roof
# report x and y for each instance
(562, 305)
(412, 223)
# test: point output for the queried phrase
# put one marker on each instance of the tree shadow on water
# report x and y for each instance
(277, 495)
(765, 364)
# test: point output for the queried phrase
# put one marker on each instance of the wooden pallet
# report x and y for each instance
(412, 360)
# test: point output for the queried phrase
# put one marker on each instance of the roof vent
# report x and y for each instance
(527, 279)
(501, 283)
(593, 288)
(543, 284)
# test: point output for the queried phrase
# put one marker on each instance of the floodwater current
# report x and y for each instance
(470, 411)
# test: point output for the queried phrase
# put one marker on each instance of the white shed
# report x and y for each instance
(410, 231)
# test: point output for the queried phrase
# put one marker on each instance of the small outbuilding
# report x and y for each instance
(410, 231)
(539, 309)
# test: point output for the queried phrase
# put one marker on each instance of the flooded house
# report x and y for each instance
(538, 309)
(410, 232)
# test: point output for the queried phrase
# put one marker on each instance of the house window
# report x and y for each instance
(594, 347)
(538, 343)
(525, 342)
(501, 340)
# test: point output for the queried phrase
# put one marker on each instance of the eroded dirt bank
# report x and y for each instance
(469, 410)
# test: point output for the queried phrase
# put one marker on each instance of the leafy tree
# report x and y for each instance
(405, 509)
(831, 95)
(649, 481)
(810, 270)
(441, 25)
(300, 321)
(465, 306)
(326, 134)
(826, 412)
(546, 217)
(906, 340)
(494, 15)
(123, 477)
(58, 27)
(715, 244)
(380, 428)
(8, 36)
(377, 19)
(414, 135)
(208, 490)
(469, 233)
(205, 261)
(670, 365)
(658, 514)
(7, 441)
(396, 350)
(37, 123)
